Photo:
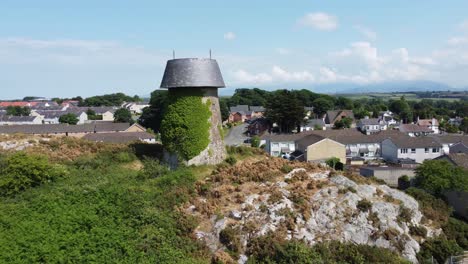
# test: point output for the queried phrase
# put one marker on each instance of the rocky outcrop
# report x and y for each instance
(311, 205)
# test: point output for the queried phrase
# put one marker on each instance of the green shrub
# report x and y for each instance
(418, 231)
(405, 214)
(364, 205)
(152, 168)
(432, 208)
(255, 143)
(404, 182)
(457, 230)
(20, 171)
(231, 160)
(439, 248)
(230, 237)
(273, 248)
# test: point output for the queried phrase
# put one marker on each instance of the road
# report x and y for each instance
(236, 135)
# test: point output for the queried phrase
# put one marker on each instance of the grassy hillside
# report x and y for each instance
(110, 204)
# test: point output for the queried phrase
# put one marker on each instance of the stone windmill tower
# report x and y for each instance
(202, 77)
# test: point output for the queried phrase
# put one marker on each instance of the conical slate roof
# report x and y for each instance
(192, 72)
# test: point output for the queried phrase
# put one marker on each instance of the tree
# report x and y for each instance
(285, 110)
(92, 114)
(464, 125)
(438, 176)
(334, 163)
(402, 109)
(123, 115)
(153, 115)
(255, 143)
(343, 123)
(108, 100)
(18, 111)
(322, 105)
(223, 106)
(69, 118)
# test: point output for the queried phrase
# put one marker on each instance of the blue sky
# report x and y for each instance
(65, 48)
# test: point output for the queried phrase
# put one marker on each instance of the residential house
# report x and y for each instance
(125, 137)
(279, 145)
(336, 115)
(452, 143)
(455, 121)
(71, 130)
(357, 144)
(318, 149)
(432, 124)
(258, 126)
(256, 111)
(4, 105)
(7, 120)
(312, 124)
(418, 149)
(107, 112)
(457, 159)
(239, 113)
(53, 117)
(371, 125)
(460, 147)
(135, 107)
(414, 130)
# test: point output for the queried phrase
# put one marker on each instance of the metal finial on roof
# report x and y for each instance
(173, 54)
(210, 54)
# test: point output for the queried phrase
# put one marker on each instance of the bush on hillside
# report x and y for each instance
(274, 249)
(440, 248)
(20, 171)
(432, 208)
(152, 168)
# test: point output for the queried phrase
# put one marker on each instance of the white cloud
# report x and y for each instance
(243, 76)
(229, 36)
(75, 52)
(283, 51)
(366, 32)
(458, 41)
(320, 21)
(464, 25)
(283, 75)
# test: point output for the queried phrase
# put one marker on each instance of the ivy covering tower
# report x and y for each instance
(191, 127)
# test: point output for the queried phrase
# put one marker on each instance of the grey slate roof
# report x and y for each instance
(370, 121)
(314, 122)
(192, 72)
(64, 128)
(404, 141)
(239, 108)
(413, 128)
(18, 119)
(257, 108)
(124, 137)
(458, 159)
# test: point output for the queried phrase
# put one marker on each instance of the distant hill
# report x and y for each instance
(400, 86)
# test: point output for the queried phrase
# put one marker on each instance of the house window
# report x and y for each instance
(403, 151)
(275, 153)
(426, 150)
(435, 150)
(275, 145)
(413, 151)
